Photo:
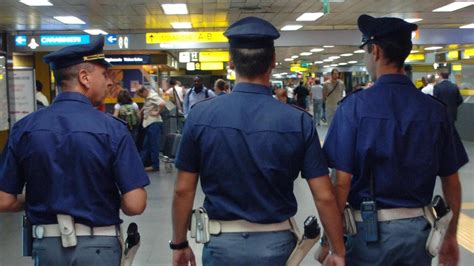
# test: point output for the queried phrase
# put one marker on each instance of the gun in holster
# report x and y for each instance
(131, 245)
(27, 237)
(350, 227)
(312, 234)
(439, 216)
(200, 226)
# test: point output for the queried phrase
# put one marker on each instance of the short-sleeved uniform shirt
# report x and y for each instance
(248, 149)
(74, 160)
(401, 136)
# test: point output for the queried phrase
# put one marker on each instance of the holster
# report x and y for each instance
(67, 229)
(200, 226)
(131, 245)
(350, 227)
(303, 245)
(439, 227)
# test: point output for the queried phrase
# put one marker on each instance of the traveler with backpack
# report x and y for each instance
(128, 111)
(195, 95)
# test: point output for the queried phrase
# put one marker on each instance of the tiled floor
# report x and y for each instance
(155, 223)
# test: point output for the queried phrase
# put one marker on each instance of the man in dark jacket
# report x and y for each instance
(449, 94)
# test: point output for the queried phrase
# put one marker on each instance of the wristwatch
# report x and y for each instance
(179, 246)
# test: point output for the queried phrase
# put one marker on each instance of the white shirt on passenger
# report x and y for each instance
(42, 98)
(428, 89)
(151, 109)
(134, 106)
(317, 92)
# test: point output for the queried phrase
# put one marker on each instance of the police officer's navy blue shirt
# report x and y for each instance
(248, 149)
(400, 134)
(74, 160)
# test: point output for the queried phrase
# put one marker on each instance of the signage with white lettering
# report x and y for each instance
(128, 59)
(59, 40)
(22, 93)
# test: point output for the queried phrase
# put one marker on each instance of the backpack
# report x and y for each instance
(186, 99)
(130, 115)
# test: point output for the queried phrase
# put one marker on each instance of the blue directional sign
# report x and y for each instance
(59, 40)
(111, 39)
(20, 40)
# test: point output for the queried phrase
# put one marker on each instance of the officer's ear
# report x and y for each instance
(84, 77)
(377, 52)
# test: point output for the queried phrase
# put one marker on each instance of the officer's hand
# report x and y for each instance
(184, 257)
(334, 260)
(322, 252)
(449, 252)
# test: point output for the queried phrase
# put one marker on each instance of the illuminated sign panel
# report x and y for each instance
(59, 40)
(214, 56)
(183, 37)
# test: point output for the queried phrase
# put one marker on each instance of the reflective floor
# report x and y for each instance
(155, 223)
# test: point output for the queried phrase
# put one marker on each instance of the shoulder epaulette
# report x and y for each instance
(343, 99)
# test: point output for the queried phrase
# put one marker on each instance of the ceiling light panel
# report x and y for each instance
(328, 46)
(175, 9)
(69, 20)
(95, 32)
(317, 50)
(310, 16)
(413, 20)
(346, 55)
(306, 54)
(467, 26)
(433, 48)
(291, 27)
(453, 6)
(359, 52)
(181, 25)
(36, 2)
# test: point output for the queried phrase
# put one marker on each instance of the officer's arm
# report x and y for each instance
(185, 189)
(342, 188)
(11, 203)
(134, 202)
(452, 192)
(331, 218)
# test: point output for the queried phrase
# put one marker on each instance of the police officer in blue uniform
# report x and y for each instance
(263, 146)
(80, 167)
(388, 143)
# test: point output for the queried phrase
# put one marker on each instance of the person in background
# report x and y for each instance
(428, 89)
(317, 100)
(153, 125)
(41, 100)
(449, 94)
(196, 94)
(176, 90)
(128, 111)
(333, 92)
(290, 93)
(220, 87)
(424, 83)
(301, 93)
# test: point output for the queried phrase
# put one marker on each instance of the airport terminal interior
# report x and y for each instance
(149, 42)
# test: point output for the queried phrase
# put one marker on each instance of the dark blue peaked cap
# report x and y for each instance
(251, 33)
(76, 54)
(385, 28)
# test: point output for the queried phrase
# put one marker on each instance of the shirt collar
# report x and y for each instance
(252, 88)
(394, 78)
(72, 96)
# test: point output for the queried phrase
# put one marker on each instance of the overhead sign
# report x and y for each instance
(111, 39)
(128, 59)
(416, 57)
(20, 40)
(59, 40)
(214, 56)
(184, 57)
(183, 37)
(298, 69)
(205, 66)
(454, 55)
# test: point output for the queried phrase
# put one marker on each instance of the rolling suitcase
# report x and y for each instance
(170, 150)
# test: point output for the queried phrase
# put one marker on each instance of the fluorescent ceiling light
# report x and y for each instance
(346, 55)
(342, 64)
(414, 51)
(334, 65)
(284, 73)
(328, 46)
(317, 50)
(306, 54)
(334, 57)
(69, 20)
(432, 48)
(295, 56)
(310, 16)
(36, 2)
(95, 32)
(326, 66)
(328, 60)
(291, 27)
(175, 9)
(467, 26)
(288, 59)
(181, 25)
(352, 62)
(318, 62)
(453, 6)
(413, 20)
(359, 52)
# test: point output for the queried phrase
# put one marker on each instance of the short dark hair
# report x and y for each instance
(394, 52)
(142, 89)
(317, 81)
(124, 97)
(39, 85)
(251, 63)
(65, 77)
(444, 74)
(334, 70)
(220, 83)
(172, 81)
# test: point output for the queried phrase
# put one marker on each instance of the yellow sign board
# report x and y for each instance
(298, 69)
(214, 56)
(212, 66)
(453, 55)
(180, 37)
(457, 67)
(469, 52)
(416, 57)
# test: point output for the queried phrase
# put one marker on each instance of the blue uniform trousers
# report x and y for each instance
(151, 145)
(261, 248)
(401, 242)
(90, 251)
